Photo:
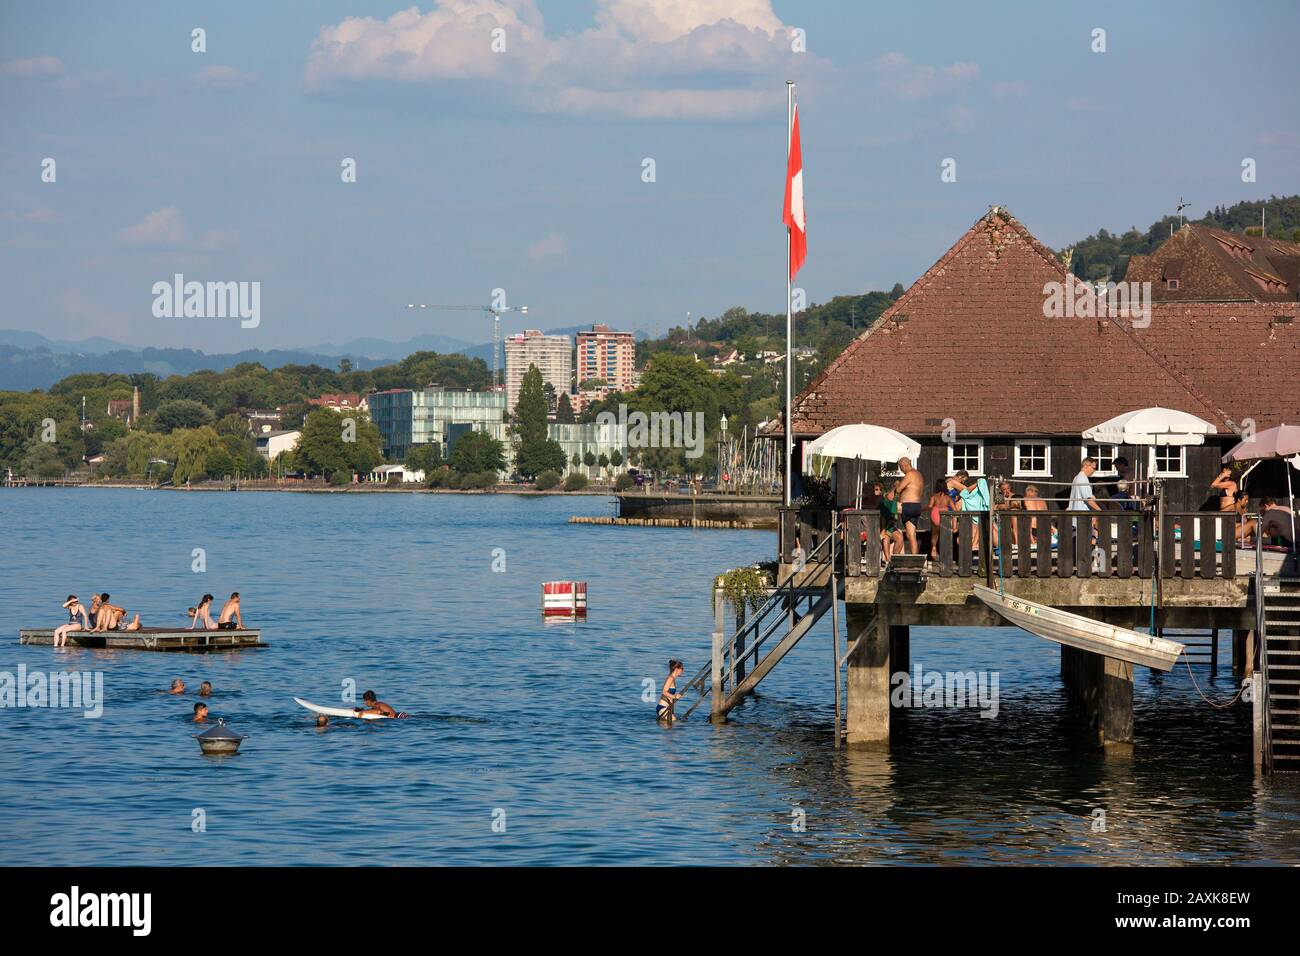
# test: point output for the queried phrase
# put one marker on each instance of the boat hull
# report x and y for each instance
(1084, 633)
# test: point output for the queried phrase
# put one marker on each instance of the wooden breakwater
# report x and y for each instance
(735, 523)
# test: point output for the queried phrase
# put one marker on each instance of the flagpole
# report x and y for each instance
(789, 316)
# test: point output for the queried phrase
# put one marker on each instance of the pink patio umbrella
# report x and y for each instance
(1283, 441)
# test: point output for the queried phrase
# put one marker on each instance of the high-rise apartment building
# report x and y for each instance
(552, 354)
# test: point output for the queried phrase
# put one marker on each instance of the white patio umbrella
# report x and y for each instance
(1283, 442)
(868, 442)
(862, 442)
(1152, 426)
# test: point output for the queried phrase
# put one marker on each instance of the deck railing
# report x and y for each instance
(1039, 544)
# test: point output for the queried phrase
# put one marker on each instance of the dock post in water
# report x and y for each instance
(719, 695)
(868, 677)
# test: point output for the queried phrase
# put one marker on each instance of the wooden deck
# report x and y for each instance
(150, 639)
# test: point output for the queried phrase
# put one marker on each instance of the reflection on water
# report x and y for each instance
(544, 726)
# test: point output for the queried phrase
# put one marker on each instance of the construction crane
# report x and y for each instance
(494, 311)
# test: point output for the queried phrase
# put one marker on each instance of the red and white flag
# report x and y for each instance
(793, 216)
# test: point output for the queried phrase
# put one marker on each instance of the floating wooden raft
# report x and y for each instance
(150, 639)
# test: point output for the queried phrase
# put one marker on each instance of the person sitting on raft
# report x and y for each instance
(73, 607)
(376, 707)
(203, 613)
(231, 619)
(113, 618)
(668, 696)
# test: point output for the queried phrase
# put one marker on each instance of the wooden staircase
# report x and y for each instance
(1280, 669)
(791, 610)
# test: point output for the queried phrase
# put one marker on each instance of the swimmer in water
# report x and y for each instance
(205, 689)
(200, 713)
(322, 721)
(375, 706)
(668, 697)
(178, 687)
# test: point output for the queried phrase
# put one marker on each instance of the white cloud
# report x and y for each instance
(698, 59)
(916, 81)
(34, 66)
(162, 227)
(166, 228)
(222, 77)
(552, 245)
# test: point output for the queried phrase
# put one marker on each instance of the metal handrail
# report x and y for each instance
(1261, 629)
(781, 593)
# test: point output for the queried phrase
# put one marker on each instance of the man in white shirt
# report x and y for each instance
(1081, 497)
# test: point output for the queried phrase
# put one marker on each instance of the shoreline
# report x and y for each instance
(324, 489)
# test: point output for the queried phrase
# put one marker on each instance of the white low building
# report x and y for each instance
(272, 444)
(385, 474)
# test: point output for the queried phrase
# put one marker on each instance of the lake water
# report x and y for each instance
(542, 727)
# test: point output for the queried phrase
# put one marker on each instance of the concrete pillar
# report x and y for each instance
(868, 677)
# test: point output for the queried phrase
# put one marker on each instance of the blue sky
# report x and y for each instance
(523, 169)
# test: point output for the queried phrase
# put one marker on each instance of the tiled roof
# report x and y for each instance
(969, 342)
(1245, 356)
(1212, 265)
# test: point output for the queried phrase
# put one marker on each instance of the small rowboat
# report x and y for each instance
(1075, 630)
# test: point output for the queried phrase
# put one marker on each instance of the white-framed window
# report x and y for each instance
(1169, 461)
(1104, 456)
(967, 456)
(1033, 458)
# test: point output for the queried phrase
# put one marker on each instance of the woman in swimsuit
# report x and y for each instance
(669, 696)
(203, 612)
(939, 503)
(1233, 501)
(73, 607)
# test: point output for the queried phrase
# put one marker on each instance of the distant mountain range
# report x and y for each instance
(29, 360)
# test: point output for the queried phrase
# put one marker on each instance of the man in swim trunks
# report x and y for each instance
(230, 618)
(908, 491)
(375, 706)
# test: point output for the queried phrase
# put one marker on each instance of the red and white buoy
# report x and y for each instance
(564, 599)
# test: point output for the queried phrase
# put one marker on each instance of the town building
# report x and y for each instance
(271, 444)
(340, 402)
(604, 355)
(407, 417)
(552, 354)
(264, 419)
(410, 417)
(596, 438)
(395, 475)
(126, 410)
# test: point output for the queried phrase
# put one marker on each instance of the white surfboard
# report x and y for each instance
(337, 711)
